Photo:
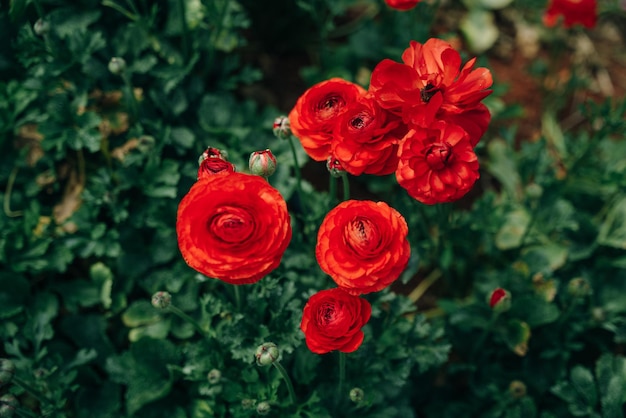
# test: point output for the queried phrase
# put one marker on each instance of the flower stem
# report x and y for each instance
(486, 332)
(283, 373)
(346, 186)
(296, 167)
(182, 315)
(332, 189)
(237, 292)
(342, 374)
(423, 286)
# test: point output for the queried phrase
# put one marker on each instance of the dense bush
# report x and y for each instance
(105, 107)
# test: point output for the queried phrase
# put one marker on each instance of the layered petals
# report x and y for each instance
(437, 164)
(363, 245)
(583, 12)
(332, 320)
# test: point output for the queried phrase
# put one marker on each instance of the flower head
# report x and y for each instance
(500, 300)
(437, 164)
(234, 228)
(262, 163)
(363, 245)
(315, 114)
(332, 320)
(402, 4)
(583, 12)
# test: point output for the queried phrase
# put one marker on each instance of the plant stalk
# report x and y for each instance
(182, 315)
(285, 375)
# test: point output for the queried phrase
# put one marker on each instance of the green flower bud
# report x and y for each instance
(357, 395)
(7, 370)
(282, 127)
(266, 353)
(8, 404)
(248, 403)
(214, 376)
(262, 163)
(263, 408)
(41, 27)
(117, 65)
(534, 191)
(517, 389)
(161, 300)
(500, 300)
(578, 287)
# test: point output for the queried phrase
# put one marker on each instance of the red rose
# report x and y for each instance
(316, 112)
(366, 138)
(431, 85)
(363, 245)
(437, 164)
(583, 12)
(233, 227)
(402, 4)
(332, 320)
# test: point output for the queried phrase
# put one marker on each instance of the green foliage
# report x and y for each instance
(93, 165)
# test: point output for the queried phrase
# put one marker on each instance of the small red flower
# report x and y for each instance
(574, 12)
(402, 4)
(315, 114)
(366, 138)
(233, 227)
(363, 245)
(332, 320)
(437, 164)
(213, 161)
(432, 85)
(500, 300)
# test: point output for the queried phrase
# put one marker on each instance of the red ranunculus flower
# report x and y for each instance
(213, 161)
(332, 320)
(431, 85)
(315, 114)
(233, 227)
(363, 245)
(402, 4)
(366, 138)
(437, 164)
(583, 12)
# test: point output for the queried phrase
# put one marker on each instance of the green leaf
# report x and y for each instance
(511, 234)
(613, 230)
(140, 312)
(545, 258)
(479, 28)
(14, 289)
(502, 165)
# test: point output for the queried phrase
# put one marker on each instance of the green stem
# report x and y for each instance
(120, 9)
(38, 8)
(332, 189)
(342, 373)
(283, 373)
(237, 297)
(33, 392)
(183, 12)
(486, 332)
(421, 288)
(133, 106)
(296, 166)
(6, 204)
(182, 315)
(346, 186)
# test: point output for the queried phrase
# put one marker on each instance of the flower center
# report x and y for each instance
(361, 121)
(231, 225)
(428, 92)
(438, 155)
(362, 236)
(326, 314)
(329, 106)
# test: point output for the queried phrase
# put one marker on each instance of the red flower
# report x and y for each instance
(233, 227)
(332, 320)
(316, 112)
(213, 161)
(402, 4)
(362, 245)
(430, 86)
(583, 12)
(366, 138)
(437, 164)
(500, 300)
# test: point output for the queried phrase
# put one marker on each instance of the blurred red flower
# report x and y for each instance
(402, 4)
(431, 85)
(363, 245)
(366, 138)
(315, 114)
(437, 164)
(583, 12)
(233, 227)
(332, 320)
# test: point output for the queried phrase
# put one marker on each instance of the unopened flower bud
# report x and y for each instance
(8, 404)
(211, 152)
(7, 370)
(248, 403)
(534, 191)
(161, 300)
(263, 408)
(117, 65)
(41, 27)
(266, 353)
(517, 389)
(357, 395)
(281, 127)
(500, 300)
(262, 163)
(334, 167)
(214, 376)
(578, 287)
